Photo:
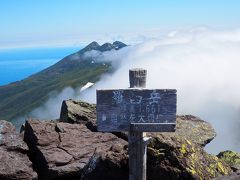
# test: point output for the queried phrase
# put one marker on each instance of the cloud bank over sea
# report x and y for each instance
(202, 64)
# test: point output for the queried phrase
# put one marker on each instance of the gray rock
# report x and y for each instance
(79, 112)
(233, 176)
(231, 158)
(193, 129)
(180, 154)
(172, 157)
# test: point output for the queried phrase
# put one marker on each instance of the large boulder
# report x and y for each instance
(79, 112)
(179, 158)
(63, 150)
(180, 154)
(14, 162)
(192, 129)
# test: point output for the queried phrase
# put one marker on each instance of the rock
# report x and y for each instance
(233, 176)
(191, 128)
(180, 154)
(83, 113)
(15, 163)
(79, 112)
(179, 158)
(188, 126)
(231, 158)
(63, 150)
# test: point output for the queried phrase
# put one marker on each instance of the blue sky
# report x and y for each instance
(73, 22)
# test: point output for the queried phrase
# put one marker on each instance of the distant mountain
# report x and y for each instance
(21, 97)
(105, 47)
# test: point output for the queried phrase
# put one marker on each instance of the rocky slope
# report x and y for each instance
(72, 149)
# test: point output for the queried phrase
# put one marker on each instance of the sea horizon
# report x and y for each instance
(19, 63)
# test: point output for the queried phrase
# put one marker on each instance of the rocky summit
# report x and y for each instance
(70, 148)
(178, 155)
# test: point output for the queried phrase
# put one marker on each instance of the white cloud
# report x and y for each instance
(202, 65)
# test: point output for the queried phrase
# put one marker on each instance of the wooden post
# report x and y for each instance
(137, 78)
(137, 146)
(116, 106)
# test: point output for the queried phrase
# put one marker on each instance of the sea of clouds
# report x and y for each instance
(202, 64)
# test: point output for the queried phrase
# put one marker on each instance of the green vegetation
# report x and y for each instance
(21, 97)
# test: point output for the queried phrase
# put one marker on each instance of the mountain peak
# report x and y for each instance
(105, 47)
(92, 46)
(119, 44)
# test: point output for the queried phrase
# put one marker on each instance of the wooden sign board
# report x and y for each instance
(144, 110)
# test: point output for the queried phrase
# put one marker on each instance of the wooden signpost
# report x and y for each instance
(136, 110)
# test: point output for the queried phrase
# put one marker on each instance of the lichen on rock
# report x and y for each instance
(72, 148)
(79, 112)
(176, 155)
(231, 158)
(180, 154)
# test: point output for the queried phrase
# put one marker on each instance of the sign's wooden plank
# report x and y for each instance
(153, 127)
(116, 109)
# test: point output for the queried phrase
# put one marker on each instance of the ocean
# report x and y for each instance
(17, 64)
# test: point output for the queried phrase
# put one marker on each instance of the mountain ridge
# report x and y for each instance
(19, 98)
(104, 47)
